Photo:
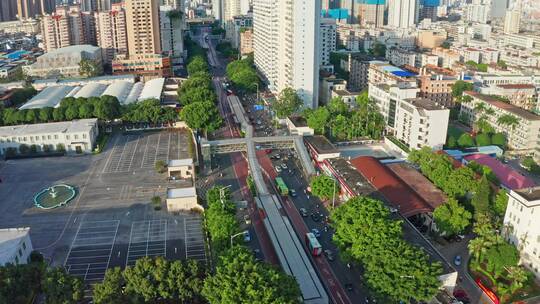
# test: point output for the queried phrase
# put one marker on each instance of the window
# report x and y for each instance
(20, 252)
(24, 245)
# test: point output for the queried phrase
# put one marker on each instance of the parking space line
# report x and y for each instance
(133, 154)
(110, 154)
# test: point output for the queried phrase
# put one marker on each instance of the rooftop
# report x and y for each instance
(321, 144)
(395, 191)
(49, 97)
(152, 89)
(517, 86)
(419, 183)
(425, 103)
(349, 176)
(72, 49)
(74, 126)
(530, 194)
(181, 192)
(509, 177)
(180, 162)
(504, 106)
(298, 121)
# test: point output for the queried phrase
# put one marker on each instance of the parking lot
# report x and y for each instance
(110, 222)
(140, 150)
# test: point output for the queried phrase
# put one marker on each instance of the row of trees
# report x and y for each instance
(465, 140)
(19, 284)
(323, 187)
(220, 216)
(394, 269)
(197, 96)
(226, 49)
(341, 123)
(149, 110)
(243, 75)
(462, 186)
(105, 107)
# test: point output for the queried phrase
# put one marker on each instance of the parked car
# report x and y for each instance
(349, 286)
(329, 255)
(292, 192)
(284, 166)
(247, 219)
(316, 232)
(457, 260)
(316, 217)
(303, 212)
(278, 169)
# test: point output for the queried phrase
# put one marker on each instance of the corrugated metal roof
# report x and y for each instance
(49, 97)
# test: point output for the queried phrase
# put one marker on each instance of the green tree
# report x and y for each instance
(378, 50)
(19, 283)
(21, 96)
(287, 103)
(193, 95)
(86, 110)
(461, 86)
(502, 64)
(446, 45)
(106, 108)
(201, 116)
(451, 142)
(498, 258)
(324, 187)
(518, 276)
(498, 139)
(339, 127)
(451, 218)
(60, 288)
(243, 75)
(337, 106)
(528, 162)
(110, 290)
(465, 140)
(46, 114)
(483, 139)
(239, 279)
(58, 114)
(318, 119)
(72, 112)
(477, 248)
(32, 116)
(197, 64)
(480, 199)
(508, 120)
(89, 68)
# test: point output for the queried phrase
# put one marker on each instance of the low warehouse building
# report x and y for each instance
(75, 136)
(182, 199)
(181, 169)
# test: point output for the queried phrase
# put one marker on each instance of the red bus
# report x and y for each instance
(313, 244)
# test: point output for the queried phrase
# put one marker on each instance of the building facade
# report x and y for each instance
(111, 31)
(327, 41)
(77, 136)
(246, 41)
(67, 26)
(64, 62)
(285, 37)
(403, 13)
(15, 246)
(172, 38)
(371, 13)
(522, 226)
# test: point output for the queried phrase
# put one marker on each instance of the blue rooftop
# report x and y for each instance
(403, 74)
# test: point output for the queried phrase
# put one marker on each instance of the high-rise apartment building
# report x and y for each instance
(32, 8)
(144, 42)
(512, 21)
(327, 40)
(403, 13)
(172, 40)
(371, 13)
(8, 10)
(67, 26)
(111, 31)
(478, 11)
(286, 33)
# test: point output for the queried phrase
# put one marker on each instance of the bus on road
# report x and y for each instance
(313, 244)
(282, 187)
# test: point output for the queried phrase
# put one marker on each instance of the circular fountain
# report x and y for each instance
(54, 196)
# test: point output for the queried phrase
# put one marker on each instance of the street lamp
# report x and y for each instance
(222, 196)
(334, 195)
(235, 235)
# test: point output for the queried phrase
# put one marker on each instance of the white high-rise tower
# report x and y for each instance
(403, 13)
(286, 42)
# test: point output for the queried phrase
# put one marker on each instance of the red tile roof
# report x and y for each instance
(391, 187)
(506, 175)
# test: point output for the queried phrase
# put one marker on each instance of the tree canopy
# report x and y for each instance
(459, 87)
(197, 64)
(59, 287)
(201, 116)
(149, 110)
(240, 279)
(287, 103)
(451, 218)
(323, 186)
(365, 232)
(243, 75)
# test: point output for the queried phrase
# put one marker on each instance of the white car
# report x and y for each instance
(278, 169)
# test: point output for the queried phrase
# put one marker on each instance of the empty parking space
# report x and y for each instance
(90, 251)
(147, 238)
(194, 238)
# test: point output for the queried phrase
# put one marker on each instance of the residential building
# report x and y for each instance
(430, 10)
(522, 226)
(416, 121)
(144, 55)
(327, 40)
(520, 95)
(27, 9)
(285, 37)
(470, 54)
(478, 11)
(520, 40)
(64, 62)
(111, 31)
(348, 97)
(521, 137)
(403, 13)
(15, 246)
(437, 87)
(499, 8)
(67, 26)
(447, 57)
(357, 64)
(380, 72)
(512, 21)
(8, 10)
(27, 26)
(401, 57)
(424, 59)
(237, 25)
(326, 87)
(172, 38)
(246, 41)
(428, 39)
(371, 13)
(76, 136)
